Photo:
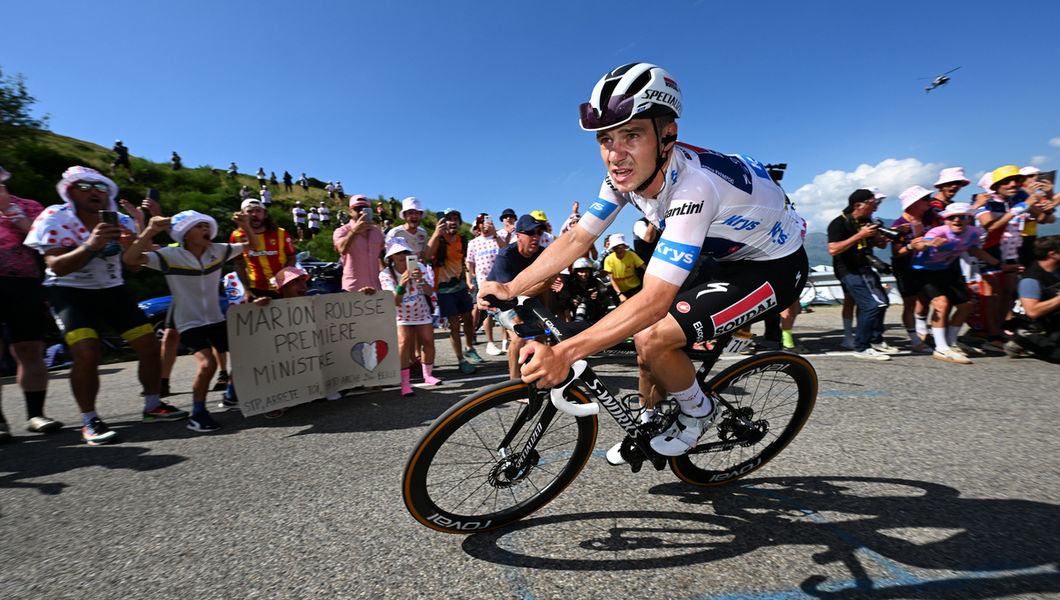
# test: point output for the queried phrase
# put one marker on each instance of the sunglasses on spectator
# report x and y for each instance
(960, 217)
(533, 233)
(83, 186)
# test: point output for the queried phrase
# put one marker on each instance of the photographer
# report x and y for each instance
(851, 237)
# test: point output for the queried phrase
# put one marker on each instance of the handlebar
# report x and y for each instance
(572, 408)
(501, 304)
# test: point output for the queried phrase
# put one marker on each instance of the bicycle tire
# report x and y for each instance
(777, 388)
(447, 483)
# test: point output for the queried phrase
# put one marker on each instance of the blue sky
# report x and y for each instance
(474, 104)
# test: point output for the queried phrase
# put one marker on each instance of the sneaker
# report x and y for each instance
(847, 343)
(968, 349)
(614, 455)
(471, 355)
(872, 354)
(97, 433)
(203, 423)
(684, 433)
(493, 350)
(885, 348)
(43, 424)
(921, 348)
(5, 433)
(797, 349)
(228, 403)
(504, 345)
(958, 350)
(949, 355)
(164, 412)
(466, 367)
(222, 382)
(1014, 350)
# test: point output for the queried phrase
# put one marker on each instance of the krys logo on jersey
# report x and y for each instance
(677, 254)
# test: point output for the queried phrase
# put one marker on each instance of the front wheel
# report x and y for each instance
(458, 479)
(771, 396)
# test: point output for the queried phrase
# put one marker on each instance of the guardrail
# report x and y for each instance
(822, 287)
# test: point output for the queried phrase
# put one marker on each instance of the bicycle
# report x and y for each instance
(502, 453)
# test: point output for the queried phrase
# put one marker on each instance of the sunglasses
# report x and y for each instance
(534, 233)
(83, 186)
(619, 109)
(959, 218)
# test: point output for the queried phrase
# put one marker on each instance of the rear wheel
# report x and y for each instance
(458, 481)
(771, 396)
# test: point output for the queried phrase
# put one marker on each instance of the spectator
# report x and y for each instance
(624, 267)
(266, 197)
(304, 182)
(339, 191)
(382, 211)
(1001, 217)
(256, 268)
(262, 182)
(175, 159)
(850, 240)
(414, 236)
(233, 170)
(415, 328)
(1038, 329)
(244, 193)
(272, 179)
(508, 219)
(546, 233)
(583, 295)
(22, 309)
(512, 260)
(299, 215)
(330, 189)
(361, 246)
(287, 179)
(1039, 210)
(192, 274)
(325, 214)
(937, 276)
(121, 159)
(917, 218)
(481, 253)
(447, 250)
(85, 287)
(950, 182)
(314, 222)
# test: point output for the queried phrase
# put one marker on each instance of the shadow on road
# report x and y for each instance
(868, 525)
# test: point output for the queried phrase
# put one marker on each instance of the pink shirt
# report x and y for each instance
(360, 262)
(17, 260)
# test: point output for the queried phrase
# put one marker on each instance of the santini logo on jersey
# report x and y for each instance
(679, 255)
(601, 210)
(684, 209)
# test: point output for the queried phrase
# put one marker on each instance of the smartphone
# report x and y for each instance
(412, 262)
(153, 194)
(368, 216)
(109, 217)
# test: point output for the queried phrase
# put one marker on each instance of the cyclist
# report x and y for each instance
(730, 250)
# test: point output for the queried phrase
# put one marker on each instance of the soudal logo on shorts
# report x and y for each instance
(744, 310)
(683, 307)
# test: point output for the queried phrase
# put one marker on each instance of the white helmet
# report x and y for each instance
(628, 91)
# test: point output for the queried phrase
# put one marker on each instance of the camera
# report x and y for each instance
(892, 235)
(881, 267)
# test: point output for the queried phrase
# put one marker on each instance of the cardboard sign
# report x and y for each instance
(299, 349)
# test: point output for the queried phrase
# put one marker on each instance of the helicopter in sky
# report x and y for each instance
(939, 81)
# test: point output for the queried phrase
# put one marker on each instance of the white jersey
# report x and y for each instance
(299, 215)
(724, 205)
(194, 281)
(58, 226)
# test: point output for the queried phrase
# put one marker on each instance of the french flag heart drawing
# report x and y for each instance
(369, 354)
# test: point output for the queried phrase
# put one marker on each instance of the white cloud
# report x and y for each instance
(1055, 142)
(822, 200)
(1039, 160)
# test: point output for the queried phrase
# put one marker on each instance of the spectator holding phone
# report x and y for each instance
(412, 284)
(360, 245)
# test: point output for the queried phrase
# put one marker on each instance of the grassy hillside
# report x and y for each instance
(37, 164)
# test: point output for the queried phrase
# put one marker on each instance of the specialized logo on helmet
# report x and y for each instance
(663, 98)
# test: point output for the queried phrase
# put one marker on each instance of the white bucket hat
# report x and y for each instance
(410, 203)
(397, 246)
(616, 239)
(957, 208)
(952, 174)
(911, 195)
(185, 220)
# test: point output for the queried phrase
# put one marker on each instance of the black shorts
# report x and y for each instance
(78, 312)
(720, 297)
(22, 309)
(908, 283)
(947, 282)
(213, 336)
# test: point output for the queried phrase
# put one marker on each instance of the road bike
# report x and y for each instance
(509, 449)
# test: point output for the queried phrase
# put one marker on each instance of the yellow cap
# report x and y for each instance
(1004, 173)
(540, 214)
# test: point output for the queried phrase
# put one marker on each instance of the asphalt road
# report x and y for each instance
(913, 478)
